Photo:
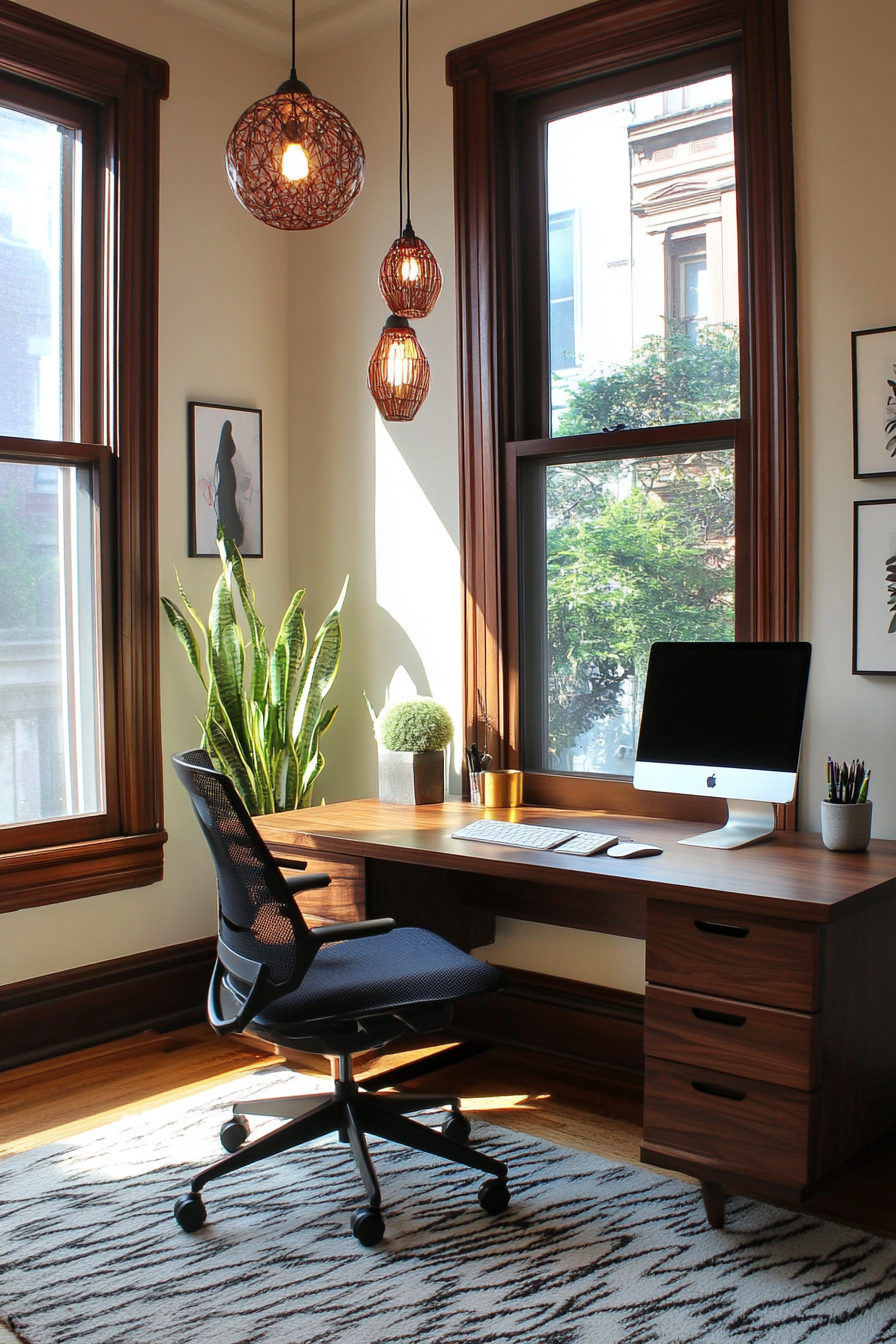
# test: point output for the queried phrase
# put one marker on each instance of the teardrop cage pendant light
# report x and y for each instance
(293, 160)
(410, 282)
(398, 372)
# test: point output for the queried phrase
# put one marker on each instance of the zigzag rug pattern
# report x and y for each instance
(589, 1252)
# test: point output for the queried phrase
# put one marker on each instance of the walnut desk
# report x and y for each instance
(770, 1009)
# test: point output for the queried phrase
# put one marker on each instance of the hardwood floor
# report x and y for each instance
(72, 1093)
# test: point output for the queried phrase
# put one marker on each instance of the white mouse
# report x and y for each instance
(632, 849)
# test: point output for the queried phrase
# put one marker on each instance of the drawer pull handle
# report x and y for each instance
(727, 930)
(715, 1090)
(726, 1019)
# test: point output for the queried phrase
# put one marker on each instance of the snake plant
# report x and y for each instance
(264, 734)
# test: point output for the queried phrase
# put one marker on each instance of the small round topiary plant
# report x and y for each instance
(415, 725)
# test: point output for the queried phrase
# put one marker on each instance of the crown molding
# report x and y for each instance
(265, 23)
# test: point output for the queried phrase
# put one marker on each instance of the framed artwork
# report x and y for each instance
(874, 402)
(225, 477)
(874, 588)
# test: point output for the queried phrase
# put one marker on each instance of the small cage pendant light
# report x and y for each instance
(398, 372)
(410, 279)
(294, 161)
(410, 282)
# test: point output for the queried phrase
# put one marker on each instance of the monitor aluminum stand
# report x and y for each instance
(747, 822)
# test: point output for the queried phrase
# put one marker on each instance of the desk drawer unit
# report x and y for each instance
(731, 1124)
(734, 956)
(768, 1044)
(732, 1044)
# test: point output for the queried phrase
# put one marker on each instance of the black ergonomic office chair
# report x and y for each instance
(333, 990)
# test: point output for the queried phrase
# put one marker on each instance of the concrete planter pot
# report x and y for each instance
(411, 776)
(846, 826)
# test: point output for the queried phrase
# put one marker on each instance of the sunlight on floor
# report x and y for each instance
(523, 1102)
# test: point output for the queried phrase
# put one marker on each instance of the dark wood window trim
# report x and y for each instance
(56, 862)
(490, 80)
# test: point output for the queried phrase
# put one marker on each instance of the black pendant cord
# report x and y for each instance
(407, 104)
(401, 130)
(292, 73)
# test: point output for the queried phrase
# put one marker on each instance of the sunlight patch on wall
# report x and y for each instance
(418, 573)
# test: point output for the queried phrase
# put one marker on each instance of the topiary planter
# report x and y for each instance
(415, 777)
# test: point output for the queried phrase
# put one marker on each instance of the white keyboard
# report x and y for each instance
(535, 837)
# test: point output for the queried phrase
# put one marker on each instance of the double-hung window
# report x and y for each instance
(80, 807)
(628, 445)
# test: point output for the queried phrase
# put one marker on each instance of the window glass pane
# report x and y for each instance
(642, 251)
(50, 721)
(636, 550)
(39, 219)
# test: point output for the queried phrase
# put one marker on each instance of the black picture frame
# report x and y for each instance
(874, 588)
(873, 406)
(225, 450)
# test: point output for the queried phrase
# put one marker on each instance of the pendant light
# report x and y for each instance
(410, 279)
(294, 161)
(398, 372)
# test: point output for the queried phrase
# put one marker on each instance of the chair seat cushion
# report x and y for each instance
(383, 974)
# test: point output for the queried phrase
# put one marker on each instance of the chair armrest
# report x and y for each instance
(341, 933)
(297, 882)
(289, 863)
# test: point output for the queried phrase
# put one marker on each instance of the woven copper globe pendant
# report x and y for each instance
(294, 161)
(398, 372)
(410, 277)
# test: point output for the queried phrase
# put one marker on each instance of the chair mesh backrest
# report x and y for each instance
(259, 918)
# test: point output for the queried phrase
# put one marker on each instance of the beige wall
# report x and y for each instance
(223, 338)
(846, 206)
(384, 509)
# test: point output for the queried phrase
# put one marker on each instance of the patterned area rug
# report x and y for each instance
(589, 1251)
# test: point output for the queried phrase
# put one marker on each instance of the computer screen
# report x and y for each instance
(723, 720)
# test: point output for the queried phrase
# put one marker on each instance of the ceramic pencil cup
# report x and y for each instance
(846, 826)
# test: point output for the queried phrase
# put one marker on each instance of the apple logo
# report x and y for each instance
(711, 782)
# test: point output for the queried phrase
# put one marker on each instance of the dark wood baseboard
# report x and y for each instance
(563, 1018)
(152, 991)
(166, 988)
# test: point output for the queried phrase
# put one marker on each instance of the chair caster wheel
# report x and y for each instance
(456, 1127)
(190, 1212)
(234, 1133)
(368, 1226)
(494, 1195)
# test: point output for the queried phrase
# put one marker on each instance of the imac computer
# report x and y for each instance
(725, 720)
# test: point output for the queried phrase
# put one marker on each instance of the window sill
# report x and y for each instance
(68, 872)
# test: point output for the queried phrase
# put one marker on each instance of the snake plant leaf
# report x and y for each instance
(232, 762)
(317, 676)
(189, 605)
(326, 719)
(290, 796)
(184, 632)
(312, 770)
(226, 654)
(286, 659)
(233, 563)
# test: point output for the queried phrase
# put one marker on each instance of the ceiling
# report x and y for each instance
(265, 23)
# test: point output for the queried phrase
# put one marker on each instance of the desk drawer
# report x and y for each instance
(767, 1044)
(734, 956)
(728, 1123)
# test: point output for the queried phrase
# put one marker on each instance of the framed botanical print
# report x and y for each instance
(224, 477)
(874, 401)
(874, 588)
